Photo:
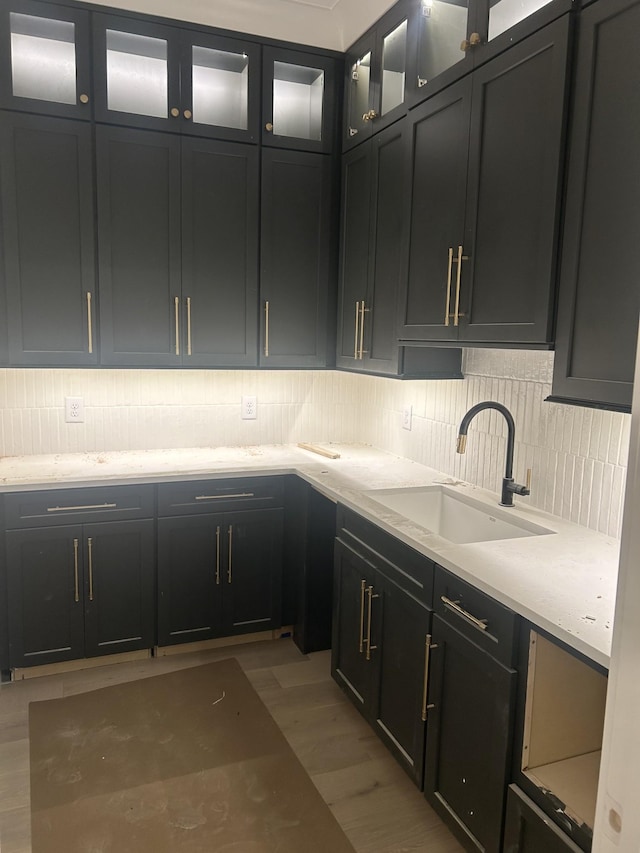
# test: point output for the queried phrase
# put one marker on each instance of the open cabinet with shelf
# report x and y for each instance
(563, 706)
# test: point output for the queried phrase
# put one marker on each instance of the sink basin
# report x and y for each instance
(455, 516)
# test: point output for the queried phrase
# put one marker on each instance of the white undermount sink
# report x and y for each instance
(454, 515)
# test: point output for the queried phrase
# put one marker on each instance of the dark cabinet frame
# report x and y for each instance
(80, 18)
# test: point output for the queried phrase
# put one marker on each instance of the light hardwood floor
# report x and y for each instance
(374, 801)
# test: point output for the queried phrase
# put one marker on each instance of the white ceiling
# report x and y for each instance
(333, 24)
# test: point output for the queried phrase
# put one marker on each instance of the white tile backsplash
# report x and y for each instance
(578, 455)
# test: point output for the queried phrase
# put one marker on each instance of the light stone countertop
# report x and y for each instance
(563, 583)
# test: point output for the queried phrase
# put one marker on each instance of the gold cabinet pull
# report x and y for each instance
(176, 307)
(454, 606)
(218, 555)
(266, 328)
(187, 114)
(363, 586)
(175, 112)
(84, 98)
(83, 506)
(447, 307)
(269, 127)
(456, 310)
(371, 595)
(229, 566)
(90, 549)
(369, 115)
(363, 311)
(474, 39)
(427, 654)
(355, 337)
(89, 324)
(188, 325)
(75, 569)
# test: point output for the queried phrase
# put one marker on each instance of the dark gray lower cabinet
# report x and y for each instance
(219, 574)
(297, 259)
(381, 636)
(80, 591)
(529, 830)
(599, 295)
(48, 239)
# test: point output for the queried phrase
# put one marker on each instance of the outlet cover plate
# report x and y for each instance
(249, 408)
(407, 412)
(74, 410)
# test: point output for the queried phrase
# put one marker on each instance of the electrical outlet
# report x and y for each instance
(74, 410)
(406, 417)
(249, 408)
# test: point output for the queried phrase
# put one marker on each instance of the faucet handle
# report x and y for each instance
(528, 483)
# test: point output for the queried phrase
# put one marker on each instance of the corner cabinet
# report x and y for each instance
(484, 200)
(381, 634)
(177, 237)
(371, 237)
(46, 168)
(599, 298)
(80, 573)
(297, 259)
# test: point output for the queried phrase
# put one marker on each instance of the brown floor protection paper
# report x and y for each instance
(188, 761)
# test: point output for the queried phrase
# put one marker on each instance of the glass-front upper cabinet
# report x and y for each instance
(164, 78)
(454, 36)
(44, 59)
(376, 75)
(298, 100)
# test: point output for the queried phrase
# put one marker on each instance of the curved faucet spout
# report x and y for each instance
(508, 486)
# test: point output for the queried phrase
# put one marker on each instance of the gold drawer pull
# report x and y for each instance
(371, 595)
(223, 497)
(75, 508)
(454, 606)
(218, 555)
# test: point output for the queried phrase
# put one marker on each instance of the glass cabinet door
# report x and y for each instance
(44, 64)
(504, 14)
(359, 95)
(442, 29)
(394, 67)
(136, 73)
(298, 100)
(220, 87)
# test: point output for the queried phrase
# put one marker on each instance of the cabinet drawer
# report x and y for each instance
(482, 619)
(528, 829)
(406, 567)
(220, 495)
(66, 506)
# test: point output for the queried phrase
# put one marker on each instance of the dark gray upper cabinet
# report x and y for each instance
(484, 198)
(220, 222)
(47, 212)
(139, 246)
(299, 100)
(297, 259)
(44, 59)
(599, 295)
(375, 76)
(371, 245)
(177, 289)
(165, 78)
